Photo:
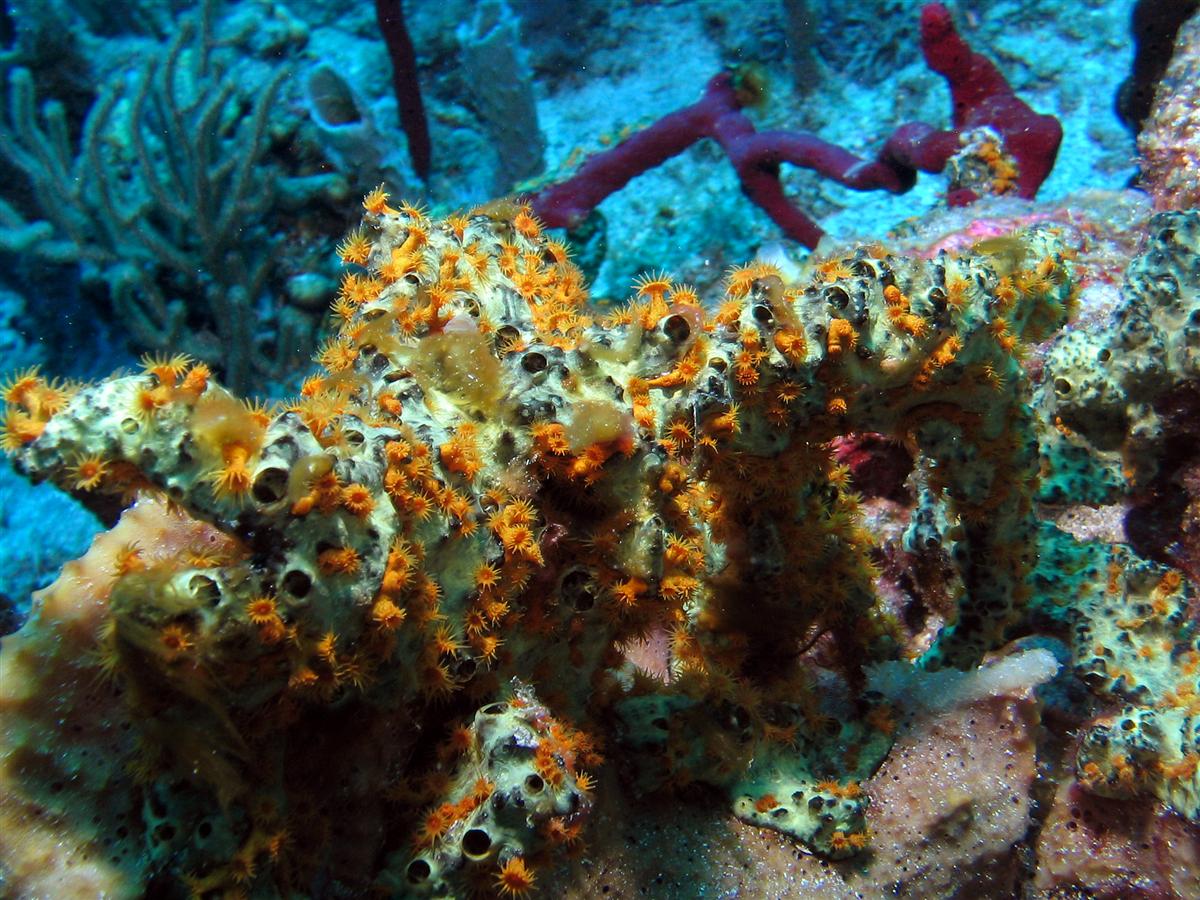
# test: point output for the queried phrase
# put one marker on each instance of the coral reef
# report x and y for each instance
(1114, 849)
(845, 574)
(998, 143)
(1104, 393)
(1154, 27)
(1170, 166)
(460, 533)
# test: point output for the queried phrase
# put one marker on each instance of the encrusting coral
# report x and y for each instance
(1167, 144)
(1104, 397)
(381, 634)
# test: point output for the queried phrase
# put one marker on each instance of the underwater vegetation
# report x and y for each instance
(800, 581)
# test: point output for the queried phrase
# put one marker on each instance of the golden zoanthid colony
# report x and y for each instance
(380, 635)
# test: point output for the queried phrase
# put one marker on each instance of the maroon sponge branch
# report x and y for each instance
(755, 156)
(390, 16)
(981, 98)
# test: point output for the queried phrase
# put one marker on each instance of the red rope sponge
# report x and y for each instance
(980, 94)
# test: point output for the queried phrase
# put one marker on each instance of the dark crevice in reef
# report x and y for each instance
(1157, 526)
(1153, 28)
(8, 31)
